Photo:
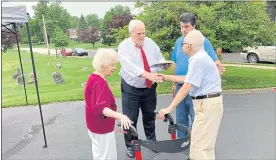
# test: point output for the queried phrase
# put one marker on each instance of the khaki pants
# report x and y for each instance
(208, 115)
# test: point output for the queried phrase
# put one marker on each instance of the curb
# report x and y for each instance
(251, 66)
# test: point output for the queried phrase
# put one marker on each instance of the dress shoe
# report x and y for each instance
(130, 152)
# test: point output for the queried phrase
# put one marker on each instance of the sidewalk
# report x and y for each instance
(251, 66)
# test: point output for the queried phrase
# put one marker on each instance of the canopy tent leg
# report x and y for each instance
(22, 72)
(37, 93)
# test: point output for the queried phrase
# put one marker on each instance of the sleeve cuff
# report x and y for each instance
(192, 83)
(137, 73)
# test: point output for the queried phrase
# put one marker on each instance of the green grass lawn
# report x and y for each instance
(74, 75)
(73, 44)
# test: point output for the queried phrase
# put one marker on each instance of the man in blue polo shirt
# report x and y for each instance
(185, 111)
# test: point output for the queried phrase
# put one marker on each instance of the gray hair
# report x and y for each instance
(104, 56)
(195, 38)
(132, 24)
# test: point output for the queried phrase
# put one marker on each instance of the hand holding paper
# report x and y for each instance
(164, 63)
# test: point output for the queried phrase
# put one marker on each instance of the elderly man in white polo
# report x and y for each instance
(203, 83)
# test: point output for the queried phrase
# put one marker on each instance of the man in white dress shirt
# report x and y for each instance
(203, 83)
(139, 80)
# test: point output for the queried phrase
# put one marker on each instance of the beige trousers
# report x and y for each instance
(208, 115)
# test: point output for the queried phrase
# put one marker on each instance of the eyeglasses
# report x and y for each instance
(182, 44)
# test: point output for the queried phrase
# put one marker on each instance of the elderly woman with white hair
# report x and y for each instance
(203, 83)
(100, 107)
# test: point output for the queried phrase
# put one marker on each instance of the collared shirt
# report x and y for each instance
(132, 65)
(181, 59)
(203, 74)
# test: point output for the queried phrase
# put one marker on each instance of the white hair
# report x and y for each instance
(132, 24)
(195, 38)
(104, 56)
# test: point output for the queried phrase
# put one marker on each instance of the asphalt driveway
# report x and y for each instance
(247, 130)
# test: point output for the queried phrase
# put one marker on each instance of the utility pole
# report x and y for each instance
(45, 34)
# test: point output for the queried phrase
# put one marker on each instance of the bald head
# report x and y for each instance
(193, 42)
(195, 38)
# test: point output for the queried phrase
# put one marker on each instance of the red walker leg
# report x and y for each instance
(137, 148)
(173, 136)
(138, 155)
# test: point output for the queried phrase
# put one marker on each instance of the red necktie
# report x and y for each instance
(146, 66)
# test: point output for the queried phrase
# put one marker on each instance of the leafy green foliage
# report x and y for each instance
(82, 22)
(114, 19)
(74, 22)
(60, 38)
(109, 39)
(54, 15)
(228, 25)
(121, 34)
(93, 20)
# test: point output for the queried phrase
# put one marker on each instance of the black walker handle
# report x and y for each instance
(133, 132)
(168, 117)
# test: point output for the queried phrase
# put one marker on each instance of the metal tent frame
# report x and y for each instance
(13, 15)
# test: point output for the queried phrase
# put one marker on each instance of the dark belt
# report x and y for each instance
(207, 96)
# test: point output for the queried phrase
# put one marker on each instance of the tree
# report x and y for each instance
(228, 25)
(74, 21)
(36, 25)
(58, 16)
(8, 40)
(60, 38)
(120, 10)
(35, 30)
(109, 39)
(82, 22)
(116, 18)
(121, 34)
(93, 20)
(237, 24)
(162, 20)
(119, 21)
(89, 35)
(54, 14)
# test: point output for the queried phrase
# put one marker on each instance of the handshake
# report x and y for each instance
(157, 77)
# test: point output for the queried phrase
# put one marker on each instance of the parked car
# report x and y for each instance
(79, 52)
(66, 52)
(259, 54)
